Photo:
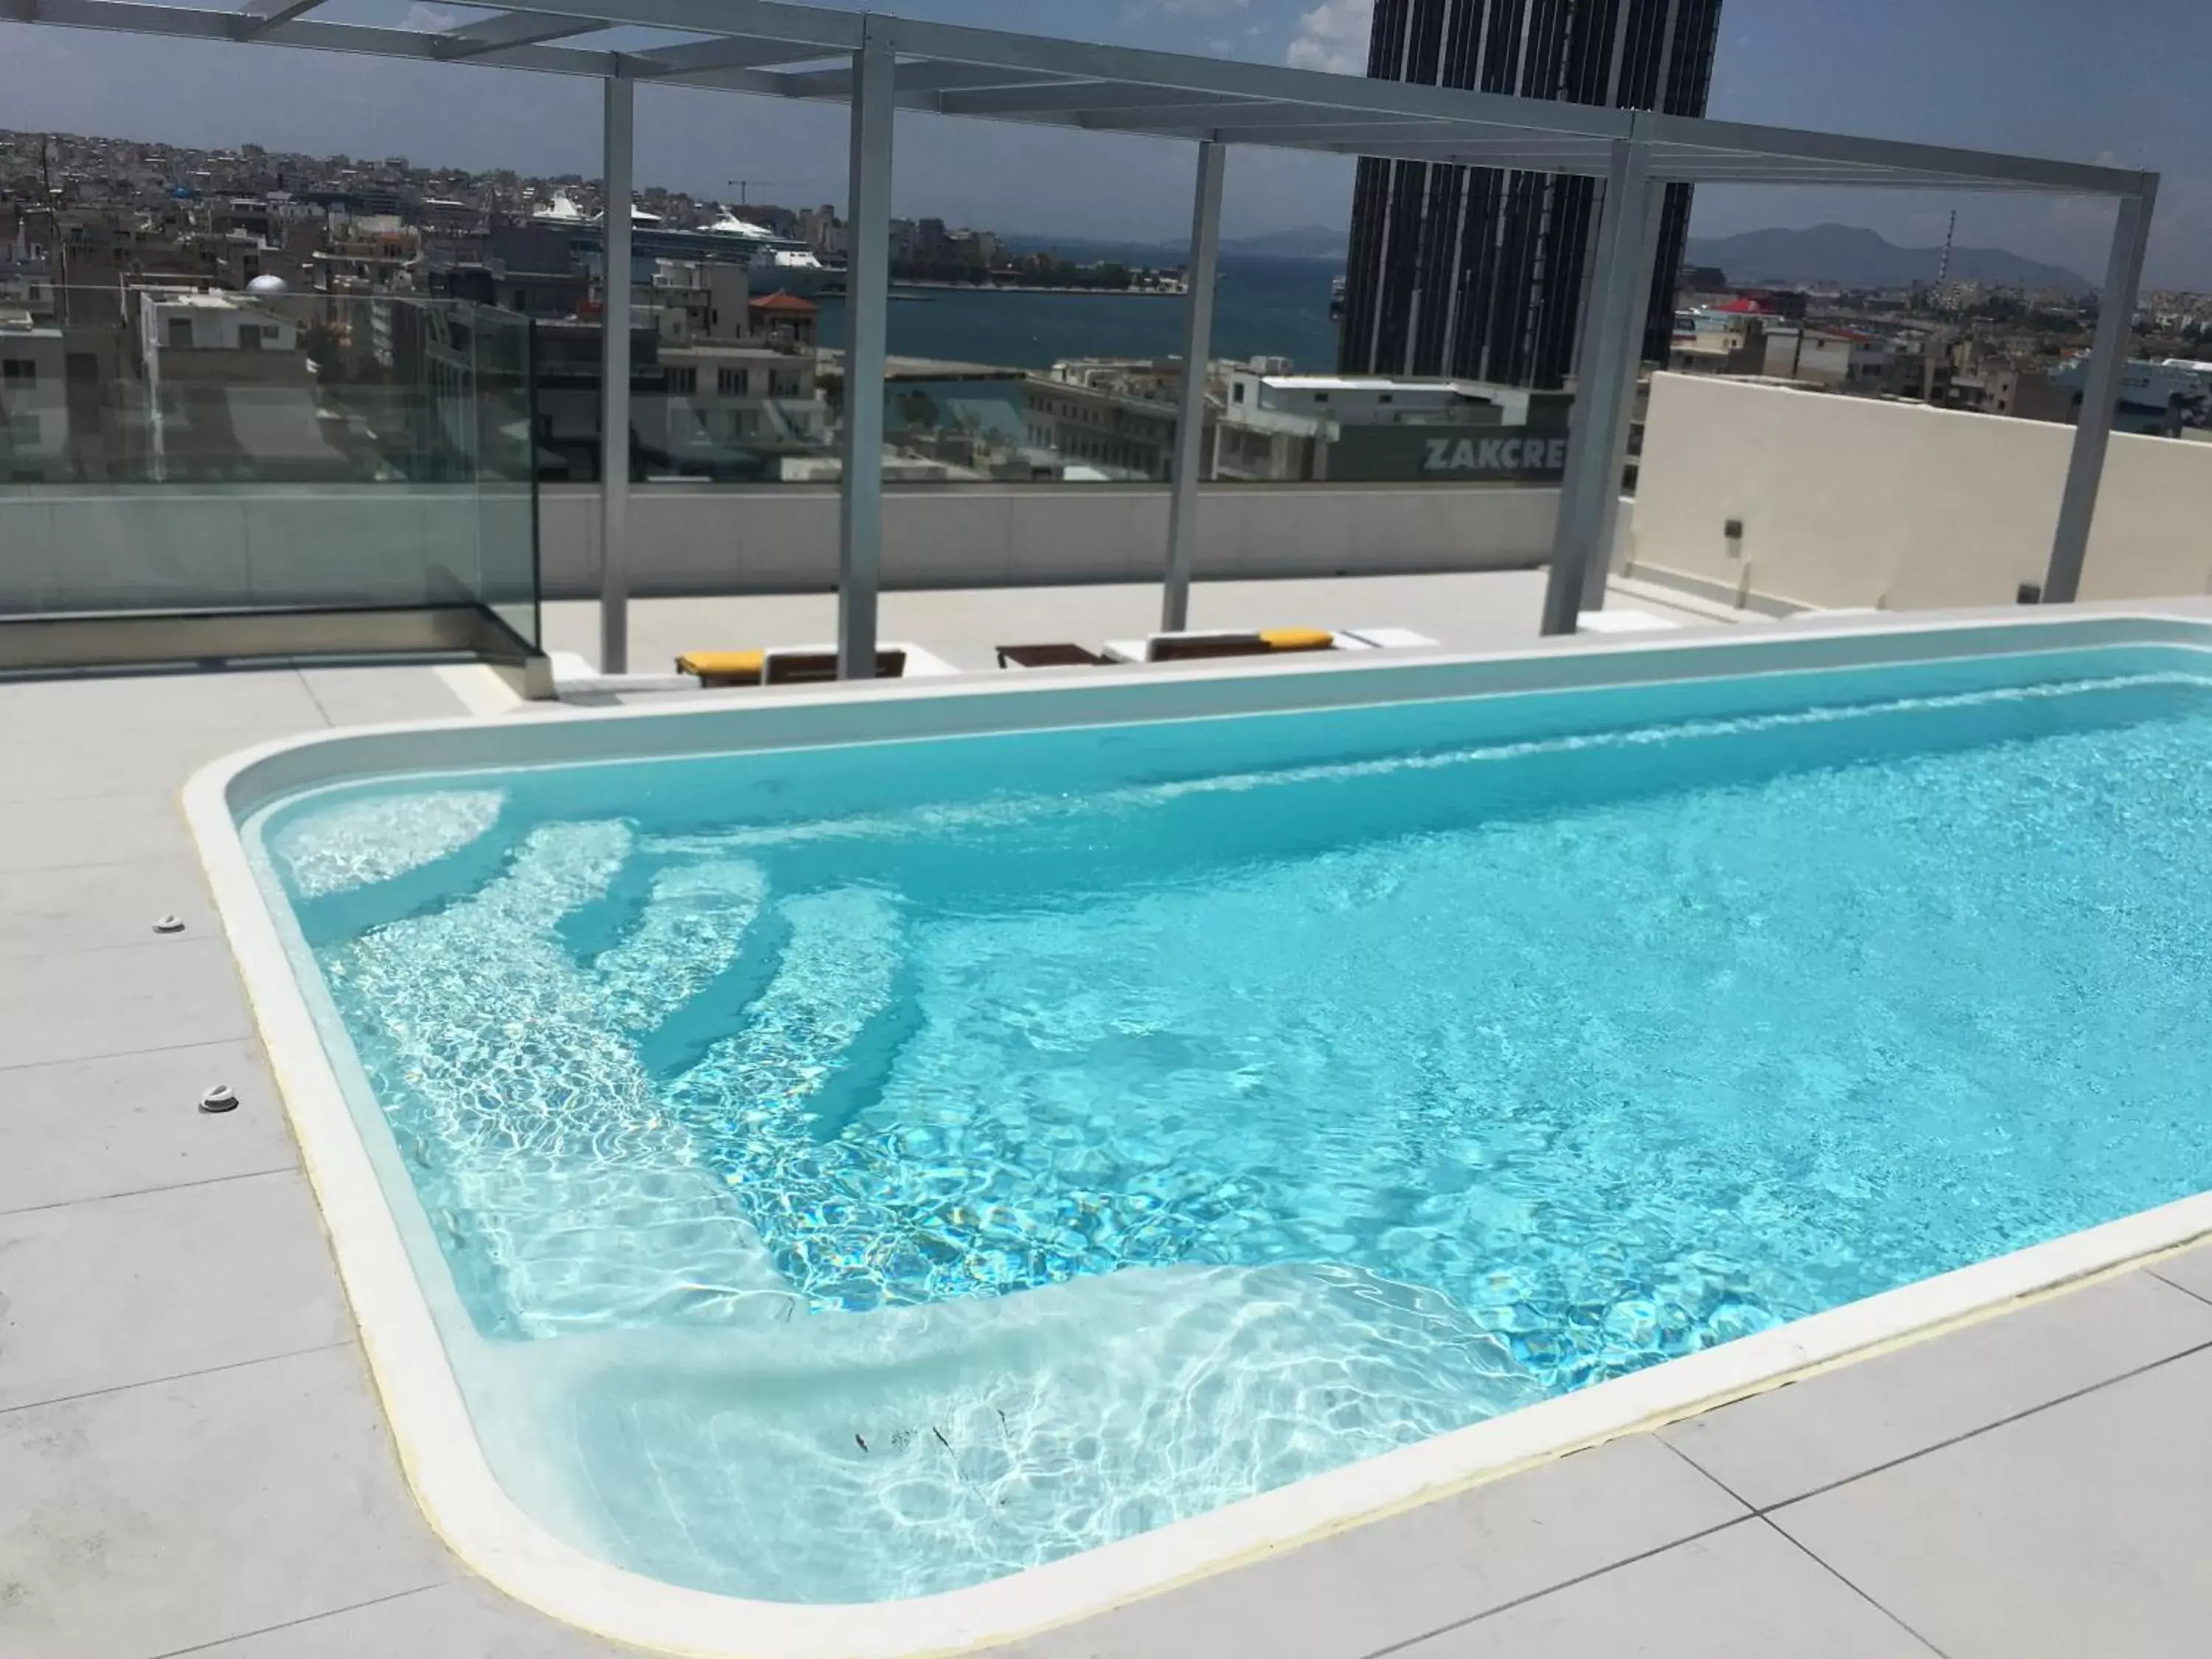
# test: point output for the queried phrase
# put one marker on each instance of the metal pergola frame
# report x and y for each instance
(877, 64)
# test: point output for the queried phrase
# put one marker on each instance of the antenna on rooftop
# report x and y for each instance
(1943, 270)
(745, 185)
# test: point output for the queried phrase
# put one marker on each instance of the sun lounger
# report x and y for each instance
(1047, 656)
(801, 664)
(1200, 644)
(1194, 644)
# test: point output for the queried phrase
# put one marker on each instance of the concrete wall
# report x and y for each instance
(1852, 501)
(711, 539)
(220, 546)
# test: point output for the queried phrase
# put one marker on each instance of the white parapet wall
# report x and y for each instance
(1855, 502)
(707, 538)
(224, 546)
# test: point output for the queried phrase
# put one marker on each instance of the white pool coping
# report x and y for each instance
(445, 1463)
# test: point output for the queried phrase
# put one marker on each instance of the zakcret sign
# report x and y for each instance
(1494, 454)
(1400, 452)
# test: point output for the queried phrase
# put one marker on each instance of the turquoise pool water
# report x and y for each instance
(866, 1172)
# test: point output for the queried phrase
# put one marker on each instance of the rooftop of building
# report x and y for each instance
(193, 1458)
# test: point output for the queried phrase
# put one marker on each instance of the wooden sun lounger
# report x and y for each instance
(814, 667)
(801, 667)
(1057, 655)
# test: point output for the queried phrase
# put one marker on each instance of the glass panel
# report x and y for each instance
(506, 413)
(168, 446)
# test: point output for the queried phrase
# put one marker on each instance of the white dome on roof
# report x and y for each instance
(269, 284)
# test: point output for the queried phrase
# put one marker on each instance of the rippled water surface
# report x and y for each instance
(855, 1190)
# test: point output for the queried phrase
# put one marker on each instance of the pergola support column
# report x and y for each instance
(1605, 387)
(1190, 406)
(2100, 395)
(867, 328)
(614, 369)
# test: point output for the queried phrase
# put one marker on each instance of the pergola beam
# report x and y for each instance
(1057, 98)
(1063, 84)
(513, 29)
(258, 16)
(1907, 163)
(694, 61)
(911, 77)
(1287, 120)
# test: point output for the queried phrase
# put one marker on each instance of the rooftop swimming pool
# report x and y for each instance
(849, 1172)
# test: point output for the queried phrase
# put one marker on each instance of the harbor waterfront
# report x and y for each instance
(1267, 306)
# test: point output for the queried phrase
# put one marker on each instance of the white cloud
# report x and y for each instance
(428, 19)
(1197, 8)
(1333, 36)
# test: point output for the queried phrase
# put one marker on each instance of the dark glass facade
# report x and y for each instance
(1479, 271)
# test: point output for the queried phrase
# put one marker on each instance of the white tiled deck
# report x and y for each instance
(191, 1460)
(1485, 612)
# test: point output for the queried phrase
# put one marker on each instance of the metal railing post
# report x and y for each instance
(867, 305)
(614, 368)
(1190, 404)
(2100, 394)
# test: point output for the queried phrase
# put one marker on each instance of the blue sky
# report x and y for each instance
(2056, 78)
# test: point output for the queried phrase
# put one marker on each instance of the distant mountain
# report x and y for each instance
(1852, 256)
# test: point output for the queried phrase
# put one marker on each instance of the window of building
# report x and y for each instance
(19, 371)
(1237, 394)
(734, 382)
(180, 332)
(249, 337)
(683, 382)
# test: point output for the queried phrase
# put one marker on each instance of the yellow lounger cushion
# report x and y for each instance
(722, 665)
(1297, 639)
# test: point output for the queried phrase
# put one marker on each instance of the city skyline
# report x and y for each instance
(1907, 70)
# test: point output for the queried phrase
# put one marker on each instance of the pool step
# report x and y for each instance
(695, 921)
(570, 1195)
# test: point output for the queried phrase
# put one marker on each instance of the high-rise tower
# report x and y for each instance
(1479, 271)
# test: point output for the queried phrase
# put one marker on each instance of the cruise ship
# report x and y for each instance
(776, 264)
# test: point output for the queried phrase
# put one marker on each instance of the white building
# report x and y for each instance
(729, 405)
(1273, 425)
(198, 352)
(1844, 361)
(1373, 399)
(696, 299)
